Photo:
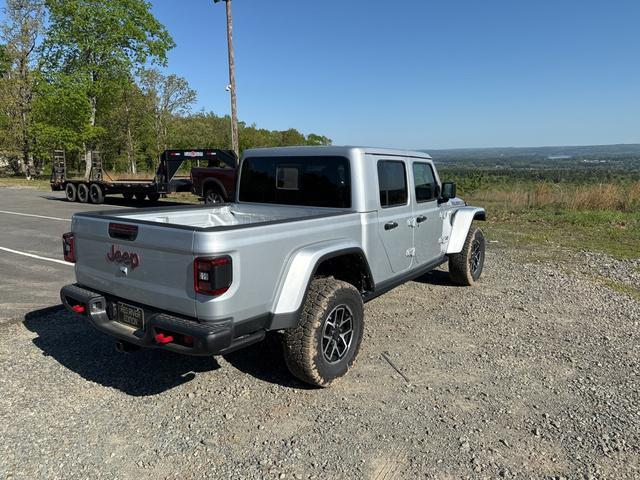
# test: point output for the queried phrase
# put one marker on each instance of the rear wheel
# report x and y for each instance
(213, 196)
(128, 196)
(71, 192)
(325, 343)
(83, 193)
(466, 267)
(96, 194)
(154, 197)
(140, 196)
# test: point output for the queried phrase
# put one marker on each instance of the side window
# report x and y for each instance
(392, 182)
(425, 182)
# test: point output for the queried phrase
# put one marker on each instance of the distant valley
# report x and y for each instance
(616, 157)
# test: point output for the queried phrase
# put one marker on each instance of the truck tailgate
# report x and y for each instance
(152, 266)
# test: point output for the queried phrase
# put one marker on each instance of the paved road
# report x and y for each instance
(32, 222)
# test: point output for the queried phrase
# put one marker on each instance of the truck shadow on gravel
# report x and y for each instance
(436, 277)
(79, 347)
(92, 355)
(265, 361)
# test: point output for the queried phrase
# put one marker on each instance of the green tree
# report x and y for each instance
(124, 117)
(100, 40)
(169, 96)
(61, 117)
(200, 130)
(20, 30)
(5, 61)
(314, 139)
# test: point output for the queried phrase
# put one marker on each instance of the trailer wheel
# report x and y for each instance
(96, 194)
(83, 193)
(154, 197)
(71, 192)
(140, 196)
(128, 196)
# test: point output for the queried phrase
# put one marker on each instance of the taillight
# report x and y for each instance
(212, 276)
(69, 247)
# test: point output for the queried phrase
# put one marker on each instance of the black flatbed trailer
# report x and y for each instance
(97, 187)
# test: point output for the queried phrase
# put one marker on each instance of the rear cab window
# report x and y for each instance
(392, 183)
(312, 181)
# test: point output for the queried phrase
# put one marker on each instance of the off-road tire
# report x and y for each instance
(303, 344)
(83, 193)
(71, 192)
(461, 265)
(154, 197)
(96, 194)
(128, 196)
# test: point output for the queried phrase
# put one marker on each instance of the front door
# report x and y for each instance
(396, 214)
(426, 214)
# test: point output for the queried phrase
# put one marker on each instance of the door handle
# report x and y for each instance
(421, 219)
(390, 225)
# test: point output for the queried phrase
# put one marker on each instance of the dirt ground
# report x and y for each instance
(533, 373)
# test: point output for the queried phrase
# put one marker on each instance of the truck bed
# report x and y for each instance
(228, 215)
(168, 239)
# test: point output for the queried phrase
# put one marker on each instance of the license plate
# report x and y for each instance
(130, 315)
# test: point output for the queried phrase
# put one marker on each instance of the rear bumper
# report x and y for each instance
(190, 337)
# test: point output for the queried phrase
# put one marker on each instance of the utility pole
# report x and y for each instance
(232, 79)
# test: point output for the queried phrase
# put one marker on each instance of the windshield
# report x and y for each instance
(309, 181)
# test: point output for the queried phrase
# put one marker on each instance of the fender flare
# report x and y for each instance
(208, 182)
(460, 224)
(297, 278)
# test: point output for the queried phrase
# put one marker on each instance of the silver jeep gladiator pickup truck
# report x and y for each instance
(314, 233)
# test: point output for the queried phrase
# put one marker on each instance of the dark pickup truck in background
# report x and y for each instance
(216, 183)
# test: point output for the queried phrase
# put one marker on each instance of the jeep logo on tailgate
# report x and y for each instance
(125, 258)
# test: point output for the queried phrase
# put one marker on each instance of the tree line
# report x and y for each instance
(87, 75)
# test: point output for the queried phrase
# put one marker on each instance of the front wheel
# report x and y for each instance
(325, 343)
(466, 267)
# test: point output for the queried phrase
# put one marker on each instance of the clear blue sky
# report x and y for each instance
(420, 73)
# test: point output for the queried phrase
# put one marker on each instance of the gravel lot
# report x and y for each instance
(531, 374)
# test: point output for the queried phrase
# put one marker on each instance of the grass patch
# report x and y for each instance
(615, 233)
(633, 292)
(183, 197)
(40, 184)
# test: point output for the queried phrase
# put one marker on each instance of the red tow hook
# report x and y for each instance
(163, 339)
(78, 308)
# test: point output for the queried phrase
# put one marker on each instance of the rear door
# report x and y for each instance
(142, 263)
(426, 213)
(395, 213)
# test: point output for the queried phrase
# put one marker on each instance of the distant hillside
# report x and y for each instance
(623, 156)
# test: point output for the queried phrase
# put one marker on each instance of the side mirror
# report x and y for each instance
(448, 191)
